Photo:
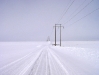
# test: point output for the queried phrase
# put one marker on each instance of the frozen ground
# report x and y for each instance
(40, 58)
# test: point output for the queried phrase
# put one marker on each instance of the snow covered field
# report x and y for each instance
(41, 58)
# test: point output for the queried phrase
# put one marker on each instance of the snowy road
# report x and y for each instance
(36, 63)
(47, 60)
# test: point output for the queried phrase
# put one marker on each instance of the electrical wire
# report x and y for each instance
(79, 11)
(78, 7)
(63, 15)
(76, 14)
(85, 16)
(66, 10)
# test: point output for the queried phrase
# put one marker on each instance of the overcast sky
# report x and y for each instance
(33, 20)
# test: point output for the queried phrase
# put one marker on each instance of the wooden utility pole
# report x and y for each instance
(60, 34)
(55, 35)
(58, 25)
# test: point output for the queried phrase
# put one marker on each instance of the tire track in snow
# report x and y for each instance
(48, 64)
(36, 65)
(31, 64)
(58, 63)
(15, 68)
(8, 69)
(41, 65)
(69, 66)
(45, 62)
(71, 63)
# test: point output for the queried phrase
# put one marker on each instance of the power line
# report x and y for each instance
(79, 12)
(85, 16)
(78, 7)
(66, 11)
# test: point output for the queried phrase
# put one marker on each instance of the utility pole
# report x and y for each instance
(60, 33)
(55, 34)
(48, 39)
(58, 25)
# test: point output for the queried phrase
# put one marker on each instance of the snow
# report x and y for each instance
(41, 58)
